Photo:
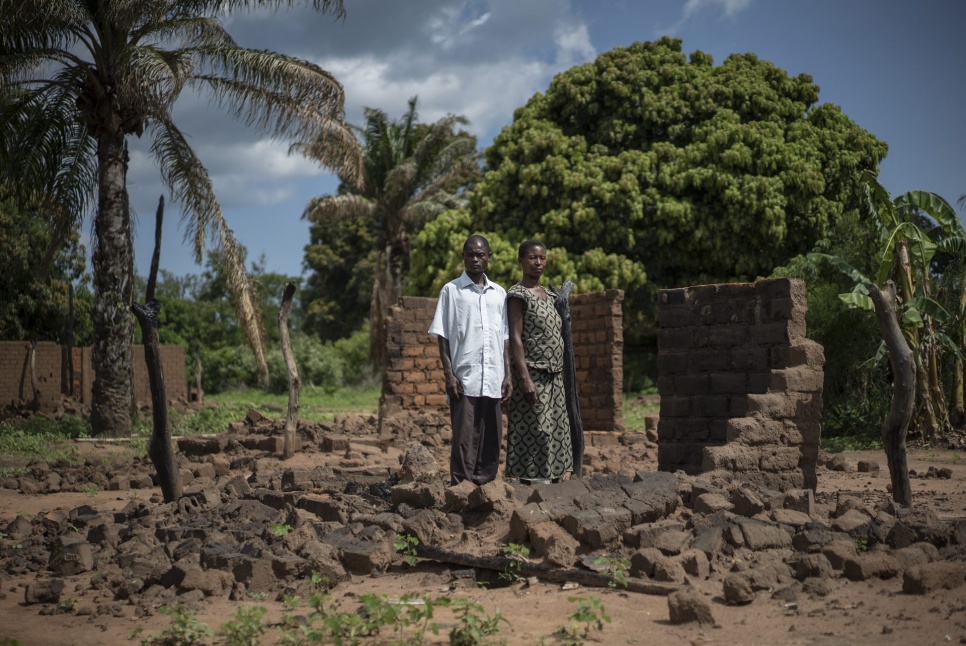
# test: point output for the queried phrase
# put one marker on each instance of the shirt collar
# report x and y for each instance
(466, 281)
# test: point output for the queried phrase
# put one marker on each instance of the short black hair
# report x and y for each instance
(474, 239)
(528, 245)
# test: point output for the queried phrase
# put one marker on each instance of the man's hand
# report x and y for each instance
(507, 387)
(454, 388)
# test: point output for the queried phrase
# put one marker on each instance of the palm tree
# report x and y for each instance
(412, 172)
(80, 76)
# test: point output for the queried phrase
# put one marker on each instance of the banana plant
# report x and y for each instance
(905, 254)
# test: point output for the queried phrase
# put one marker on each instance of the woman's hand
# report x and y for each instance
(528, 389)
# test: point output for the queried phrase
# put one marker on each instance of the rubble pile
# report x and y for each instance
(248, 525)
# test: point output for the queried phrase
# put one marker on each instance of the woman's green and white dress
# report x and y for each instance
(538, 442)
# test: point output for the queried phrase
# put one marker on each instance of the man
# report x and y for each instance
(470, 324)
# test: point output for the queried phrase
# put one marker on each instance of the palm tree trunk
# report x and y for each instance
(111, 354)
(381, 300)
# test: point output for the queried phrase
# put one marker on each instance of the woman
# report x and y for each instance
(539, 445)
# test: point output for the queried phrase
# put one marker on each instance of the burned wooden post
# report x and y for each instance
(292, 419)
(70, 338)
(35, 390)
(896, 424)
(159, 450)
(199, 372)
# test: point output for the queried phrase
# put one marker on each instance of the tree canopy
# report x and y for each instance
(670, 165)
(35, 274)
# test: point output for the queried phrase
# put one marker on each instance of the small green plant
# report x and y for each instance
(406, 545)
(68, 605)
(617, 567)
(862, 544)
(473, 625)
(90, 489)
(588, 617)
(256, 596)
(281, 529)
(185, 630)
(245, 627)
(515, 553)
(291, 602)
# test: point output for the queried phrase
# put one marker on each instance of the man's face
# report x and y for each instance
(475, 258)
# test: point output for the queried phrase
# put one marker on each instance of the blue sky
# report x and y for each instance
(896, 68)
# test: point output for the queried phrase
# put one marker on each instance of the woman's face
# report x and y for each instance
(534, 262)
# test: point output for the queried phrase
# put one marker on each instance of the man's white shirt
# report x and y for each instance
(475, 325)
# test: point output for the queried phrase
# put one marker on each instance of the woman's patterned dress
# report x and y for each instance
(538, 443)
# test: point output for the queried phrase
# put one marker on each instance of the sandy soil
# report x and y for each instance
(873, 612)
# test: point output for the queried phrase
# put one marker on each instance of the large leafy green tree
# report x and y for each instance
(341, 256)
(692, 171)
(34, 284)
(412, 172)
(80, 76)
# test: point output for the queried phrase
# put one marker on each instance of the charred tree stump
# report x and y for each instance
(896, 424)
(292, 419)
(160, 452)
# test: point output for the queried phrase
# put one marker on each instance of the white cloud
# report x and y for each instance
(728, 7)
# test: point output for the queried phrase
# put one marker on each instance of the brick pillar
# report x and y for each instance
(740, 385)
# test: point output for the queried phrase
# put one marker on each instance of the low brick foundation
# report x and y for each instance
(413, 379)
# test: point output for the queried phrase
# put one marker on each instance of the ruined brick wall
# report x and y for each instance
(52, 374)
(740, 385)
(413, 379)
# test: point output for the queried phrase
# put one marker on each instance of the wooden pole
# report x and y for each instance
(546, 572)
(896, 424)
(292, 419)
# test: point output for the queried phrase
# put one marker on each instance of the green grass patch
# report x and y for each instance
(315, 404)
(39, 437)
(841, 443)
(639, 405)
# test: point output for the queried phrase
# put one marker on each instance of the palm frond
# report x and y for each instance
(281, 95)
(339, 207)
(40, 24)
(189, 182)
(244, 298)
(45, 151)
(338, 150)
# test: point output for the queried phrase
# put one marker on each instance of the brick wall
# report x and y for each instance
(15, 386)
(740, 385)
(413, 379)
(52, 374)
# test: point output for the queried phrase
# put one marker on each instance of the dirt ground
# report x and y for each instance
(868, 612)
